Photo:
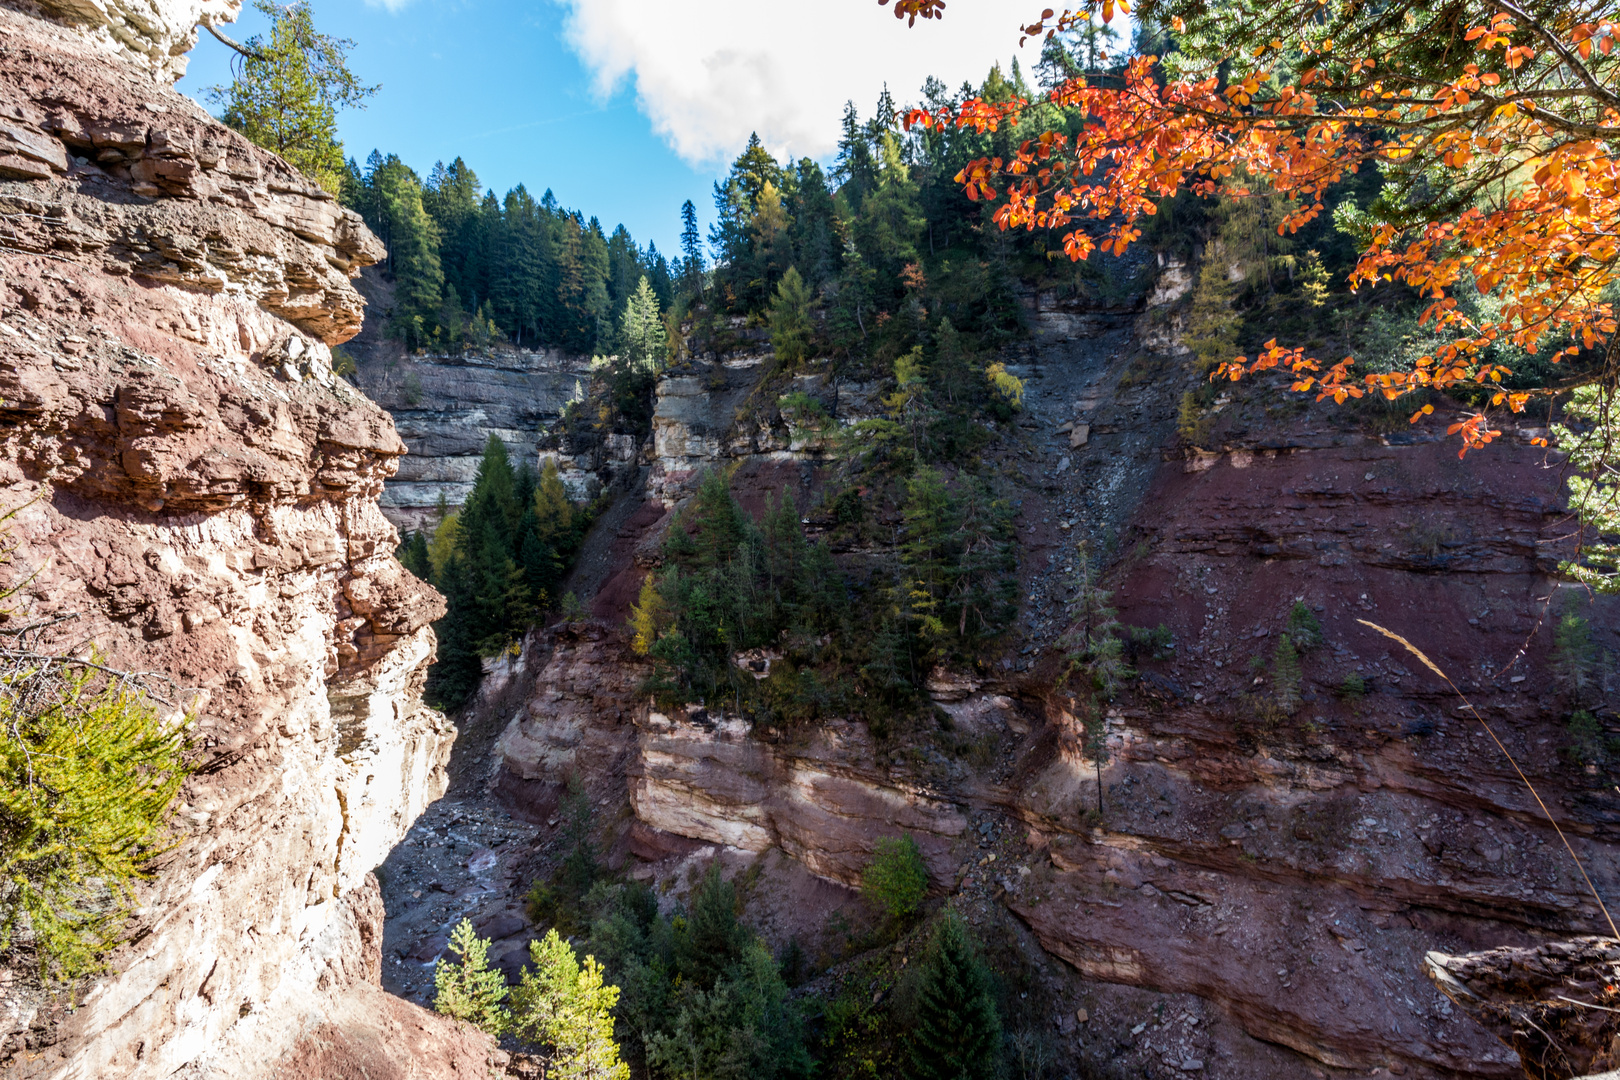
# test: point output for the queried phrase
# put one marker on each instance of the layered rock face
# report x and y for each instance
(1277, 865)
(198, 495)
(446, 408)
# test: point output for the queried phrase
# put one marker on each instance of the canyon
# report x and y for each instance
(1270, 882)
(195, 493)
(1190, 881)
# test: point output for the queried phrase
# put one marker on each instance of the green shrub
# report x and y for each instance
(1354, 687)
(87, 772)
(1303, 628)
(896, 880)
(1588, 744)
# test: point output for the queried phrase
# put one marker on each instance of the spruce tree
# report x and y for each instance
(691, 250)
(957, 1035)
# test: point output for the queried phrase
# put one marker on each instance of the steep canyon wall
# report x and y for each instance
(1278, 873)
(198, 495)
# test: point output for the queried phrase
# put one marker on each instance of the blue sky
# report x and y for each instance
(625, 108)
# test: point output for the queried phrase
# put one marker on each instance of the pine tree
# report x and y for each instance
(465, 988)
(789, 319)
(288, 90)
(957, 1035)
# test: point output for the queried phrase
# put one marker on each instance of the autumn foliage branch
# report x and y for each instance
(1504, 147)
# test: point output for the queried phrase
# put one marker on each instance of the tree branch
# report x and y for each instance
(251, 54)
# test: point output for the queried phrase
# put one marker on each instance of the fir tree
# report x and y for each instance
(288, 91)
(957, 1034)
(713, 939)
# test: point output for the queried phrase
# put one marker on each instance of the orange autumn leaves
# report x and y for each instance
(1521, 138)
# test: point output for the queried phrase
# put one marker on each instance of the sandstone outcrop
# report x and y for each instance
(198, 494)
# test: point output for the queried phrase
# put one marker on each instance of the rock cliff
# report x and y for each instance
(198, 495)
(1258, 887)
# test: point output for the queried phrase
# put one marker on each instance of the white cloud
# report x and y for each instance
(709, 72)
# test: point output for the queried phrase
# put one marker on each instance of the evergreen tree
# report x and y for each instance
(815, 230)
(789, 319)
(564, 1008)
(713, 940)
(890, 221)
(548, 534)
(1285, 675)
(287, 92)
(691, 250)
(413, 254)
(928, 522)
(624, 268)
(1092, 642)
(957, 1035)
(854, 167)
(641, 330)
(413, 554)
(465, 988)
(489, 601)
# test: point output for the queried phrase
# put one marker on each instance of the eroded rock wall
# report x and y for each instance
(1279, 871)
(198, 496)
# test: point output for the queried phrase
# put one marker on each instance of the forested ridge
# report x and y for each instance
(877, 268)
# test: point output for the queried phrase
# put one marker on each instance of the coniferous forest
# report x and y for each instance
(879, 268)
